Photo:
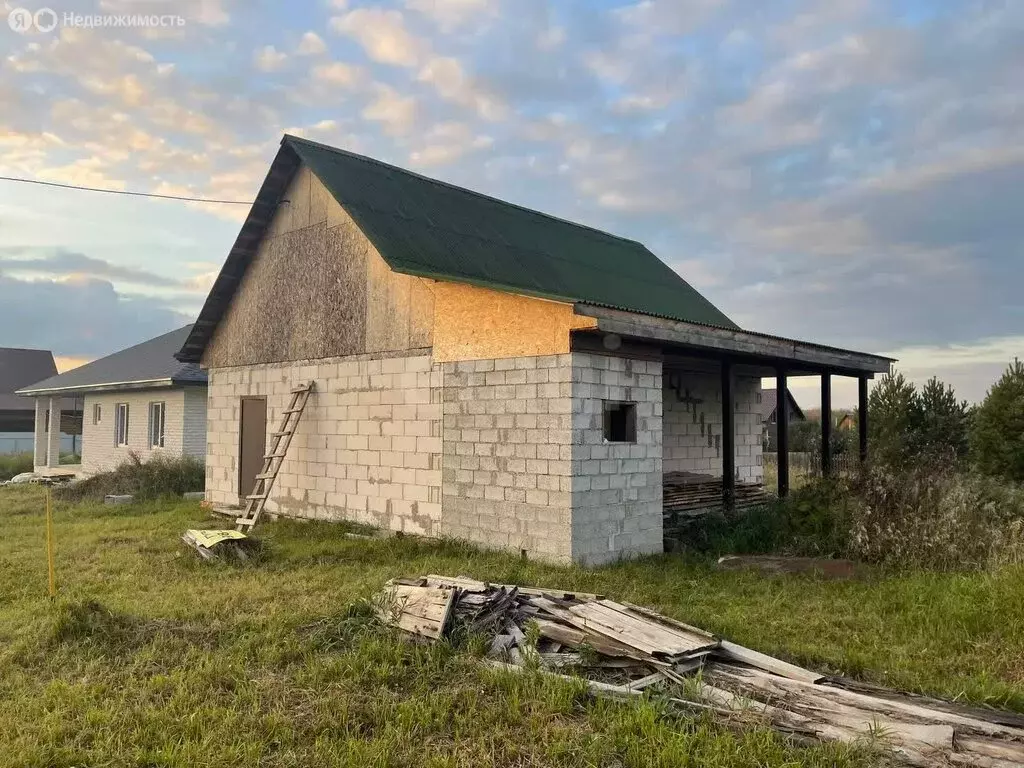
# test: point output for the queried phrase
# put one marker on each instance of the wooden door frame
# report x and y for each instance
(242, 492)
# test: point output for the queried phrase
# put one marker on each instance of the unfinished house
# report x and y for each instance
(481, 370)
(140, 401)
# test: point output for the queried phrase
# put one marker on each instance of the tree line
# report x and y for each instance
(909, 424)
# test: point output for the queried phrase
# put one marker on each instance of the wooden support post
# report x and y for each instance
(728, 438)
(826, 424)
(862, 417)
(782, 431)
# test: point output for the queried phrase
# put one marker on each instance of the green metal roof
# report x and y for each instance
(425, 227)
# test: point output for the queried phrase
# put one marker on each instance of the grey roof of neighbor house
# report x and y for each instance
(769, 399)
(19, 368)
(150, 363)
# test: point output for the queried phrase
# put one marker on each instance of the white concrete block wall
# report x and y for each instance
(507, 454)
(616, 487)
(693, 424)
(99, 449)
(368, 446)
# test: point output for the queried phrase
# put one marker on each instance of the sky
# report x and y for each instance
(847, 172)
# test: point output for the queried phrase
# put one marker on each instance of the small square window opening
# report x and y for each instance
(619, 422)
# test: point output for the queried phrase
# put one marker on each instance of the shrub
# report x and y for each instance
(926, 516)
(812, 521)
(997, 437)
(153, 479)
(14, 464)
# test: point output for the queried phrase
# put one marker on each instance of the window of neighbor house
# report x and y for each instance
(97, 413)
(121, 424)
(156, 424)
(619, 422)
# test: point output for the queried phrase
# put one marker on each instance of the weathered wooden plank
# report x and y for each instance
(558, 594)
(420, 610)
(754, 345)
(687, 629)
(782, 686)
(574, 638)
(464, 583)
(646, 682)
(767, 663)
(617, 622)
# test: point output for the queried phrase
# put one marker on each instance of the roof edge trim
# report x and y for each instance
(108, 386)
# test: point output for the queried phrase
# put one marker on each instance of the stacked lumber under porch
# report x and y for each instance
(621, 649)
(689, 496)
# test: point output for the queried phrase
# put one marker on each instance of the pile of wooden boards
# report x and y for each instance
(683, 491)
(688, 496)
(623, 649)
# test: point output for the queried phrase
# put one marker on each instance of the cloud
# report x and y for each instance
(447, 142)
(311, 44)
(336, 73)
(80, 318)
(70, 265)
(269, 59)
(452, 14)
(395, 112)
(452, 82)
(844, 172)
(211, 13)
(382, 34)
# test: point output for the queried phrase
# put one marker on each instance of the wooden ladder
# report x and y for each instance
(274, 458)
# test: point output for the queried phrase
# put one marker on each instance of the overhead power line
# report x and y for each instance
(122, 192)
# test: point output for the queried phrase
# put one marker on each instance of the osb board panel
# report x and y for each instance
(474, 323)
(387, 307)
(318, 288)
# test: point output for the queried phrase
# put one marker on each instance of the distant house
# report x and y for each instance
(139, 400)
(18, 368)
(769, 417)
(846, 422)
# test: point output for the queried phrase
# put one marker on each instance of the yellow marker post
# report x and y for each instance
(49, 545)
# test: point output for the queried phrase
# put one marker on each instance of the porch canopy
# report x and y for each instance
(756, 353)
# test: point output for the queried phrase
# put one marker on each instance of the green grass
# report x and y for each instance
(12, 464)
(151, 658)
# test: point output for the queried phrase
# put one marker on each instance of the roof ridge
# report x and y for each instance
(466, 190)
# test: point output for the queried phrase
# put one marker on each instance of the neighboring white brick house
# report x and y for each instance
(473, 377)
(137, 401)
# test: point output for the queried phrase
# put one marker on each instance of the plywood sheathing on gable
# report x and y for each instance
(472, 323)
(318, 288)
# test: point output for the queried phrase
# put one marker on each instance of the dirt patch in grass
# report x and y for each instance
(90, 624)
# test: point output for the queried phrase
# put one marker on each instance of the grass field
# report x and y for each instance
(150, 658)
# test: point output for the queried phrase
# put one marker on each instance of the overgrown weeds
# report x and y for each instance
(925, 517)
(159, 477)
(813, 521)
(917, 516)
(12, 464)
